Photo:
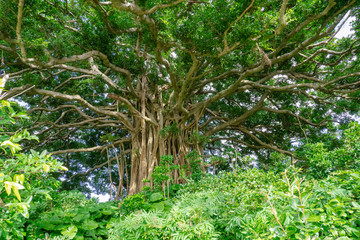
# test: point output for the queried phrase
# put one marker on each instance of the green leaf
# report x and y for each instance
(107, 212)
(355, 175)
(4, 138)
(157, 206)
(15, 187)
(16, 192)
(43, 154)
(23, 209)
(22, 115)
(70, 231)
(45, 225)
(7, 188)
(14, 147)
(155, 197)
(82, 216)
(55, 220)
(314, 218)
(291, 230)
(64, 168)
(353, 231)
(89, 225)
(46, 168)
(356, 205)
(6, 121)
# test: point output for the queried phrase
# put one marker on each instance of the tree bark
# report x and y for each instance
(150, 142)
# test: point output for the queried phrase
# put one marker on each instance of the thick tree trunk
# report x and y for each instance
(146, 155)
(144, 146)
(152, 139)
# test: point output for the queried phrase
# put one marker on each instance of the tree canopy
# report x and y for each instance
(114, 85)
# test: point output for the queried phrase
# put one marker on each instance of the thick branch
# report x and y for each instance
(18, 28)
(307, 121)
(92, 149)
(265, 145)
(226, 47)
(241, 119)
(282, 20)
(162, 6)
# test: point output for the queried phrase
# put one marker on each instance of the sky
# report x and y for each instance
(346, 30)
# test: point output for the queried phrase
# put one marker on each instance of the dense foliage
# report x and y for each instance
(253, 205)
(24, 177)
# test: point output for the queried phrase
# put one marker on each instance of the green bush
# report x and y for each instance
(253, 204)
(320, 161)
(77, 222)
(24, 177)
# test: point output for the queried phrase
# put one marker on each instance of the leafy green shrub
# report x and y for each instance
(162, 174)
(313, 209)
(194, 165)
(253, 204)
(178, 223)
(320, 161)
(87, 221)
(197, 214)
(132, 203)
(24, 177)
(146, 200)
